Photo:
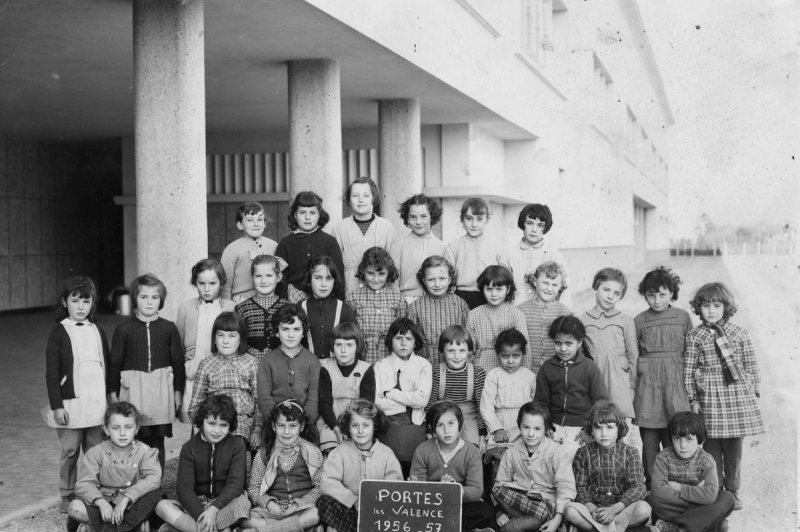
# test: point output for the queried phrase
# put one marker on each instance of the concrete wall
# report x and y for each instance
(56, 218)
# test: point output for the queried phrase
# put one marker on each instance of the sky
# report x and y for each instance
(732, 74)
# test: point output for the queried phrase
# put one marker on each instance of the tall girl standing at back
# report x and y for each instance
(474, 252)
(363, 230)
(722, 378)
(147, 363)
(195, 318)
(77, 362)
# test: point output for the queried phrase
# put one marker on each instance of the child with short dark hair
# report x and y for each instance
(534, 482)
(609, 477)
(286, 474)
(485, 322)
(419, 213)
(459, 380)
(722, 378)
(238, 256)
(402, 390)
(324, 309)
(507, 388)
(360, 457)
(613, 343)
(540, 311)
(77, 369)
(569, 383)
(376, 303)
(119, 487)
(685, 488)
(306, 241)
(258, 311)
(230, 371)
(290, 372)
(535, 220)
(344, 377)
(196, 317)
(363, 230)
(438, 307)
(211, 473)
(146, 366)
(448, 458)
(474, 252)
(660, 391)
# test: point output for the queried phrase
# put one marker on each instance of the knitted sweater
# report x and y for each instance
(281, 378)
(237, 261)
(297, 249)
(465, 467)
(104, 477)
(216, 471)
(688, 473)
(59, 365)
(347, 466)
(569, 389)
(146, 346)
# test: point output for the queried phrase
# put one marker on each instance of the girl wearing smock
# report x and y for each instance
(324, 310)
(147, 363)
(342, 379)
(459, 380)
(660, 391)
(77, 358)
(363, 230)
(195, 319)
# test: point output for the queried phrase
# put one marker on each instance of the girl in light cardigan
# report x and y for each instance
(360, 457)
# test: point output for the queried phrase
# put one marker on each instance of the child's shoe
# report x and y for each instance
(166, 527)
(64, 506)
(737, 503)
(666, 526)
(85, 527)
(642, 528)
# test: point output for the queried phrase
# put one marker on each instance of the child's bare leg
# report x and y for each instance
(144, 526)
(635, 514)
(254, 521)
(77, 511)
(574, 516)
(175, 517)
(309, 518)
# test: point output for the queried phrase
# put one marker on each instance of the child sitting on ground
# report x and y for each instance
(211, 473)
(608, 478)
(119, 487)
(360, 457)
(686, 495)
(534, 482)
(238, 256)
(448, 458)
(542, 309)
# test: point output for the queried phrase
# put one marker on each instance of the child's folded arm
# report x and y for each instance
(185, 484)
(706, 493)
(635, 474)
(419, 467)
(564, 481)
(659, 480)
(474, 483)
(87, 487)
(419, 397)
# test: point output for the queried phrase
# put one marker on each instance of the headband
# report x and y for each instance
(292, 403)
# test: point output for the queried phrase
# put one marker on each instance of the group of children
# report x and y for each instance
(442, 363)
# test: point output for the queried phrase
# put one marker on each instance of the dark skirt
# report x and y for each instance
(135, 514)
(403, 437)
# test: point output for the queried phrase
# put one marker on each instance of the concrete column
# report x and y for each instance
(399, 155)
(315, 131)
(170, 145)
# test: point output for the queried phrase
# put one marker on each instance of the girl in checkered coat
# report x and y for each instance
(722, 381)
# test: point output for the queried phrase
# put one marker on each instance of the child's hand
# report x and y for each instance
(482, 444)
(604, 515)
(292, 508)
(339, 437)
(106, 510)
(447, 478)
(500, 436)
(696, 408)
(675, 486)
(177, 401)
(119, 511)
(553, 524)
(255, 440)
(591, 507)
(274, 508)
(701, 484)
(502, 519)
(207, 522)
(413, 478)
(61, 416)
(112, 397)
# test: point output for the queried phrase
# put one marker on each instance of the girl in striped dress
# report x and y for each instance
(722, 381)
(363, 230)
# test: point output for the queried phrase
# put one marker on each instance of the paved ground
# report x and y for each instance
(770, 308)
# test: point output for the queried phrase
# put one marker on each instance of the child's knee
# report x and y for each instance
(77, 511)
(724, 499)
(163, 508)
(310, 517)
(641, 511)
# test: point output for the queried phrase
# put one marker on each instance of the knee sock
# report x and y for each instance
(185, 523)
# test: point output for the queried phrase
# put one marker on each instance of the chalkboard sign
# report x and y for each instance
(396, 506)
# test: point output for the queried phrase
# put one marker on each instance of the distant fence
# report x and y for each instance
(774, 247)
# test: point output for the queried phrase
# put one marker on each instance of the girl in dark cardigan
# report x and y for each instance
(77, 363)
(211, 473)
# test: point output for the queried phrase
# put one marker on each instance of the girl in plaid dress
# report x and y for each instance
(534, 482)
(722, 381)
(438, 307)
(376, 303)
(360, 457)
(286, 474)
(211, 473)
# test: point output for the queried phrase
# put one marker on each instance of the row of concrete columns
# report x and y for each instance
(170, 129)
